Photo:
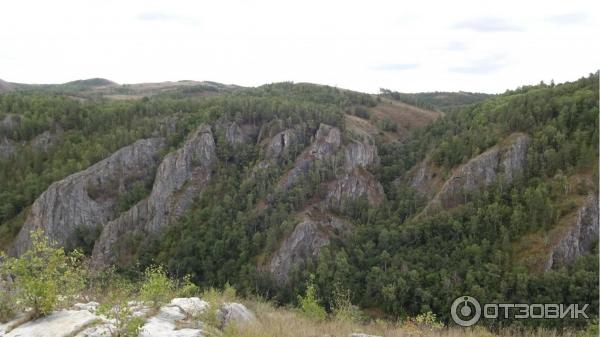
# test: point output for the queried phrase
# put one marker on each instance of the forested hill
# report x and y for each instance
(439, 100)
(407, 202)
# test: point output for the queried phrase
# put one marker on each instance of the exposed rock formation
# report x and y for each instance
(326, 142)
(166, 322)
(179, 179)
(89, 198)
(237, 133)
(10, 122)
(234, 313)
(45, 140)
(7, 148)
(281, 144)
(352, 186)
(309, 236)
(180, 318)
(64, 323)
(361, 154)
(506, 160)
(579, 238)
(425, 178)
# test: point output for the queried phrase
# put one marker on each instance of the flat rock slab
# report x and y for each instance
(164, 324)
(62, 323)
(234, 312)
(191, 306)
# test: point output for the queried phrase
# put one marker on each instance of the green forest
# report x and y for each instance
(398, 260)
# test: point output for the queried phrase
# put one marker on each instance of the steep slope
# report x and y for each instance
(4, 86)
(180, 178)
(89, 198)
(506, 162)
(401, 206)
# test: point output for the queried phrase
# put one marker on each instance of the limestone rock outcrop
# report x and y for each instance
(326, 142)
(64, 323)
(89, 197)
(233, 312)
(579, 237)
(351, 187)
(361, 154)
(312, 233)
(505, 160)
(180, 178)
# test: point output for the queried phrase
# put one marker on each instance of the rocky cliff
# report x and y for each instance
(505, 161)
(578, 238)
(327, 141)
(180, 178)
(310, 235)
(89, 198)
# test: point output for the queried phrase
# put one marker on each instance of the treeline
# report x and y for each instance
(439, 101)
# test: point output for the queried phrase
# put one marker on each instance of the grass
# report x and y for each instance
(281, 322)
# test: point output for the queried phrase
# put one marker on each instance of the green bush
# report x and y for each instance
(187, 288)
(342, 307)
(42, 274)
(115, 306)
(309, 304)
(157, 287)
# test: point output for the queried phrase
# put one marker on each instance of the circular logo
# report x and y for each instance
(469, 312)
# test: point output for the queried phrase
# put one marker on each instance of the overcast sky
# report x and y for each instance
(411, 46)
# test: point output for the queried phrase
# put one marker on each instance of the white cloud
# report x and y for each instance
(421, 46)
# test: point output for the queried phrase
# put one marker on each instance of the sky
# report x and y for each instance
(408, 46)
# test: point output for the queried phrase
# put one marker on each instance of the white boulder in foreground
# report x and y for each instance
(176, 319)
(60, 323)
(165, 323)
(234, 312)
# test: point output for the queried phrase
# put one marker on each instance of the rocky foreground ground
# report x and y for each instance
(180, 318)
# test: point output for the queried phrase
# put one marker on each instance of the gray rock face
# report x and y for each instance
(309, 236)
(44, 141)
(165, 324)
(7, 148)
(424, 178)
(353, 185)
(281, 144)
(179, 179)
(10, 122)
(507, 161)
(579, 238)
(361, 154)
(326, 142)
(89, 198)
(236, 133)
(235, 313)
(61, 323)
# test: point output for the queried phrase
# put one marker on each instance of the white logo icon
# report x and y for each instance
(469, 313)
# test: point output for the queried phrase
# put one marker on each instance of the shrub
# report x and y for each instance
(115, 306)
(428, 321)
(309, 304)
(187, 288)
(7, 302)
(342, 306)
(157, 287)
(42, 274)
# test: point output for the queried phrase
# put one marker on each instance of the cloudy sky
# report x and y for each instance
(410, 46)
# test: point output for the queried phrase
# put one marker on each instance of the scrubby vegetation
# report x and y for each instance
(397, 263)
(119, 295)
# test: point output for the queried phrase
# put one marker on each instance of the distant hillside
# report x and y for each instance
(403, 207)
(4, 86)
(92, 82)
(444, 101)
